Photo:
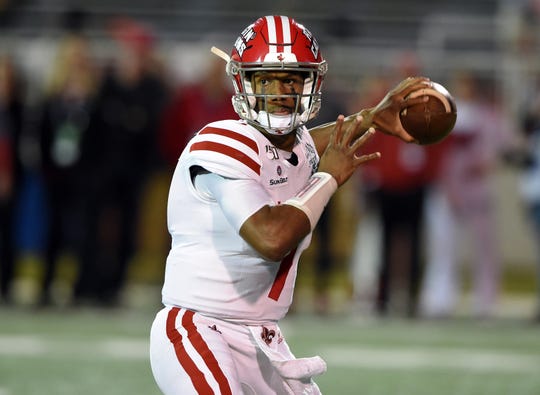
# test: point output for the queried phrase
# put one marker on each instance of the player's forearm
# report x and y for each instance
(274, 231)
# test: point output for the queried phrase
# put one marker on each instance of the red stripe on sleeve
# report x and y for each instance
(204, 351)
(281, 276)
(232, 135)
(197, 377)
(229, 151)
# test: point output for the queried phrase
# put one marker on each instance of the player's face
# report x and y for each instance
(281, 87)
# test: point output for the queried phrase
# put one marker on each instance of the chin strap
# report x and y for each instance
(277, 124)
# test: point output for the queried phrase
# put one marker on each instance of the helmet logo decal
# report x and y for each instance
(241, 42)
(314, 44)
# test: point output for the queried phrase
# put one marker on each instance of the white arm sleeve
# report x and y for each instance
(239, 199)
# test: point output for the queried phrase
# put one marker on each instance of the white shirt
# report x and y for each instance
(530, 178)
(210, 268)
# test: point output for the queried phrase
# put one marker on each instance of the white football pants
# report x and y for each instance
(194, 354)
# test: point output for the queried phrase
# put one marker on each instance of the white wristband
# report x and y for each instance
(314, 196)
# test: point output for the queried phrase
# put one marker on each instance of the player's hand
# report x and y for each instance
(341, 158)
(385, 115)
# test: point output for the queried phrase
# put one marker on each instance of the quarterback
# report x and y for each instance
(244, 198)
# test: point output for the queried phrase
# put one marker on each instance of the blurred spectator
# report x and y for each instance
(325, 259)
(527, 38)
(192, 106)
(530, 177)
(11, 121)
(396, 187)
(464, 198)
(121, 148)
(366, 255)
(65, 117)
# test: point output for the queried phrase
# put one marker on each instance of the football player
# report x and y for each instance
(245, 196)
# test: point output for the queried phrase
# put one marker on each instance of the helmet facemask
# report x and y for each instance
(253, 107)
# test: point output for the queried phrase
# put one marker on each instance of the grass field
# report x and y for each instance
(90, 351)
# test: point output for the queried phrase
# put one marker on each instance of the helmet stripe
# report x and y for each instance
(279, 31)
(271, 34)
(285, 23)
(279, 34)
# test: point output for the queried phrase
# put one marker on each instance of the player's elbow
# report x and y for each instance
(271, 245)
(274, 232)
(274, 249)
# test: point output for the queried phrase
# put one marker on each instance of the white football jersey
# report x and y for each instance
(210, 268)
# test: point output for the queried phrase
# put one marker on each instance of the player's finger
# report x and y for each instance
(362, 139)
(359, 159)
(417, 80)
(352, 131)
(408, 82)
(417, 99)
(403, 135)
(335, 137)
(418, 84)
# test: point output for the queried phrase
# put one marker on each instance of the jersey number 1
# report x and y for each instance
(281, 276)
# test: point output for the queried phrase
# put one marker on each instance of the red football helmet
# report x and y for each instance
(276, 43)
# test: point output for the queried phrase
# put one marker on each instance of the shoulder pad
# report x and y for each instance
(227, 148)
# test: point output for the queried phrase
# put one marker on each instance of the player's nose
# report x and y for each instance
(280, 88)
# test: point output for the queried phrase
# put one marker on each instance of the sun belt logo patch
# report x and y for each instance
(279, 180)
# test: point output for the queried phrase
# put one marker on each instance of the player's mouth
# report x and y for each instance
(279, 110)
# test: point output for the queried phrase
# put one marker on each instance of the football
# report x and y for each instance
(430, 122)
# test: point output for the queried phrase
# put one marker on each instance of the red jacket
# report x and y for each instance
(402, 167)
(190, 109)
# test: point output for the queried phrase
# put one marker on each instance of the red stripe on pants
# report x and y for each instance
(200, 382)
(204, 351)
